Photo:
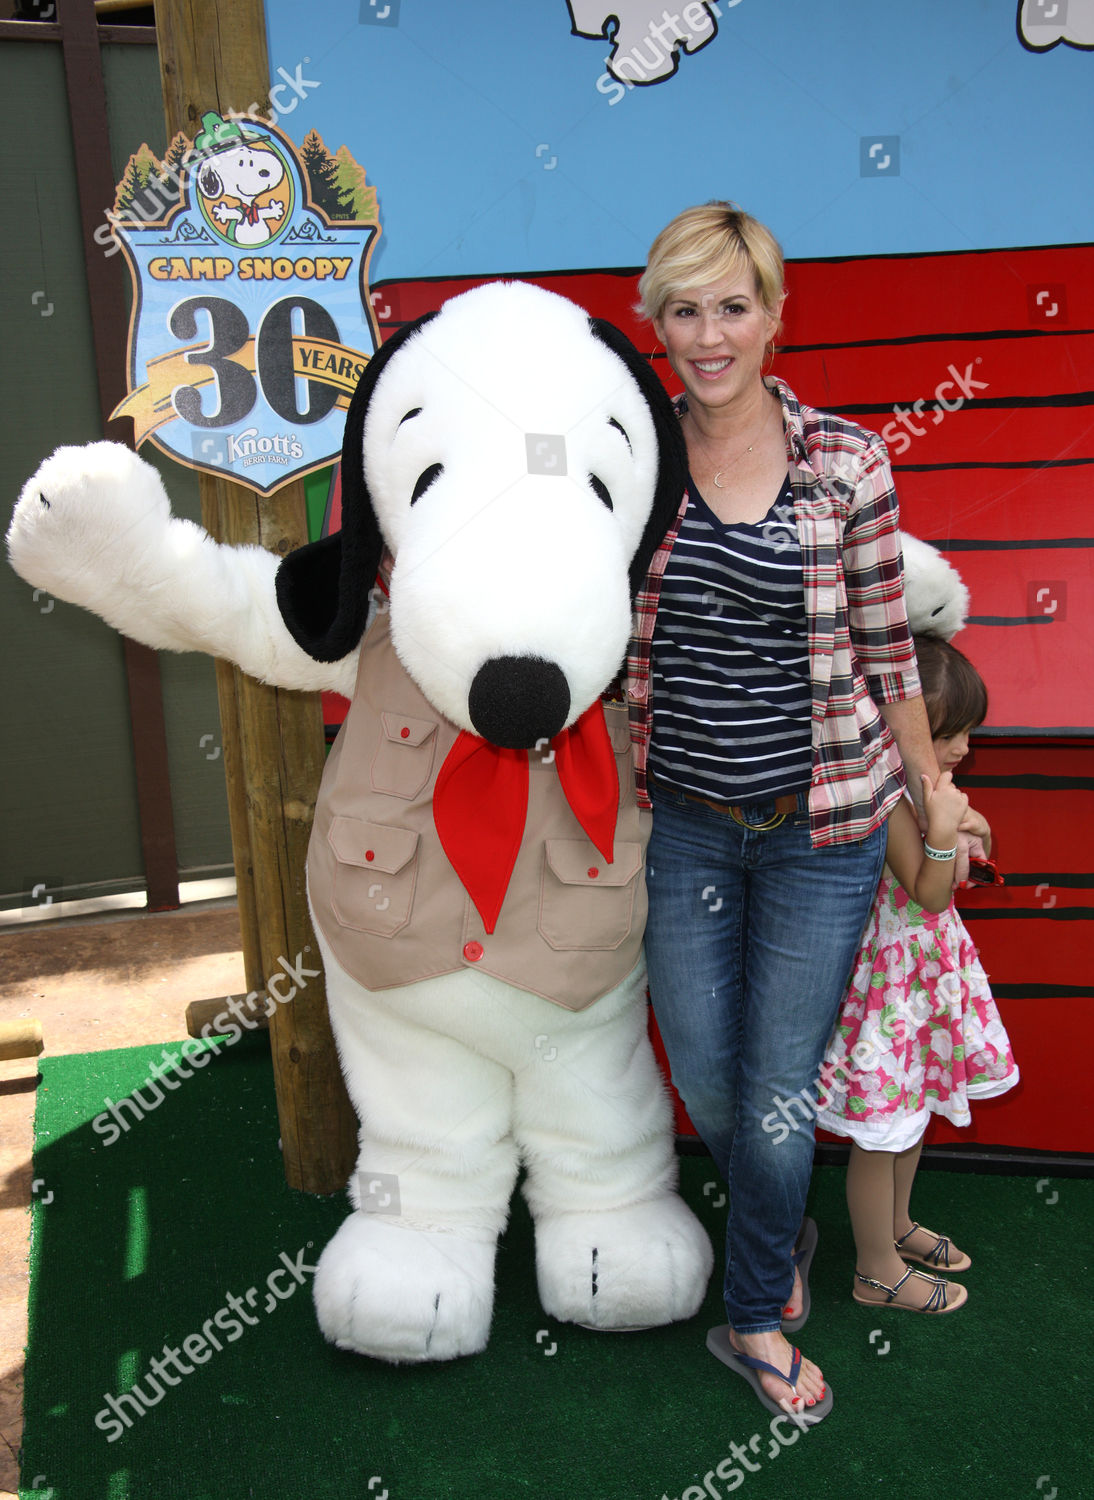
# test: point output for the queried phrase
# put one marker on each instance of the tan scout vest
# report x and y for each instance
(390, 904)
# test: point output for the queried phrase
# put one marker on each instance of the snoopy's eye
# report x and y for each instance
(600, 490)
(415, 411)
(425, 479)
(937, 611)
(620, 428)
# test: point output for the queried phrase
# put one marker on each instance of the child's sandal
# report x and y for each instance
(940, 1257)
(937, 1302)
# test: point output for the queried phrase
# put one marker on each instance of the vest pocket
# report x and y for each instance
(375, 875)
(584, 901)
(404, 756)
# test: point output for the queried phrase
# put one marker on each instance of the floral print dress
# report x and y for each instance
(918, 1031)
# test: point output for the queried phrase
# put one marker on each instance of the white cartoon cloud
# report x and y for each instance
(1045, 23)
(647, 36)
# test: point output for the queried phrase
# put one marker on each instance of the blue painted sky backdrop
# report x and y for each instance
(493, 149)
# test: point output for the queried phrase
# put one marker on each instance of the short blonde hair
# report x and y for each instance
(712, 242)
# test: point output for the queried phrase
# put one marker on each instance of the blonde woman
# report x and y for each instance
(774, 696)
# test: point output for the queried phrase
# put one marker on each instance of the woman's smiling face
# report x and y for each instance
(715, 338)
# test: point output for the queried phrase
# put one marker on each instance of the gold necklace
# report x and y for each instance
(733, 461)
(718, 477)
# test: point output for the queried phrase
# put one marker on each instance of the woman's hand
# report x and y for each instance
(907, 721)
(968, 849)
(976, 826)
(945, 805)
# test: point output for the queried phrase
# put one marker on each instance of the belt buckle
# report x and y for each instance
(764, 827)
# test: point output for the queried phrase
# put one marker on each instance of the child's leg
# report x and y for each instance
(870, 1202)
(916, 1243)
(905, 1166)
(871, 1197)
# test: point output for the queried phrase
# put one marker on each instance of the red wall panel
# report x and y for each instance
(1003, 486)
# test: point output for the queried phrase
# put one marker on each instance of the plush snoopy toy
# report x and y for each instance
(475, 869)
(936, 598)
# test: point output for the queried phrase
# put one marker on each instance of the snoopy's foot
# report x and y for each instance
(634, 1267)
(404, 1295)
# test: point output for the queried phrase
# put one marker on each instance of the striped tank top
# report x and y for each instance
(730, 664)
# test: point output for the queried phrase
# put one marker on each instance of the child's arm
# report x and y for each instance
(929, 882)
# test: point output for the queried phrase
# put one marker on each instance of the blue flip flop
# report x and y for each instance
(803, 1259)
(718, 1342)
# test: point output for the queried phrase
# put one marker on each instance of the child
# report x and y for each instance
(918, 1030)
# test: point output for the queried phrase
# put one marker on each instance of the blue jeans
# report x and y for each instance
(750, 942)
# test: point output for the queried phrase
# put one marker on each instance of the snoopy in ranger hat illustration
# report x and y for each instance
(238, 163)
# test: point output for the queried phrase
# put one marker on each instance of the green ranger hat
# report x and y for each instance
(217, 134)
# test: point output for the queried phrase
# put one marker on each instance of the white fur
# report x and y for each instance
(495, 558)
(405, 1295)
(94, 527)
(936, 599)
(455, 1080)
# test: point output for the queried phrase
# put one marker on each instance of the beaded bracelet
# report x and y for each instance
(940, 854)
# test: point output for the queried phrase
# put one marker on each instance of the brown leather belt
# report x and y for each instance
(784, 806)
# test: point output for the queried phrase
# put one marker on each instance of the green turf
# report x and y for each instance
(138, 1244)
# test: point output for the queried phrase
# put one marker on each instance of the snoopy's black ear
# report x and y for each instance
(323, 588)
(672, 468)
(355, 495)
(210, 184)
(307, 592)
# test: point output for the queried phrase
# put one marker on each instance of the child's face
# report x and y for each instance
(951, 749)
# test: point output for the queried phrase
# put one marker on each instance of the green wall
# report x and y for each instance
(68, 812)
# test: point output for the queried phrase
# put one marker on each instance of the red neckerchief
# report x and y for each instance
(250, 212)
(480, 803)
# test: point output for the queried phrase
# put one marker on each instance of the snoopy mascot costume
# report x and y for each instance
(475, 870)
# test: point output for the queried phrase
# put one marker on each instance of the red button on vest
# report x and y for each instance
(405, 732)
(592, 872)
(472, 952)
(370, 854)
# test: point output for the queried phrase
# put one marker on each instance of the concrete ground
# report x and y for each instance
(93, 982)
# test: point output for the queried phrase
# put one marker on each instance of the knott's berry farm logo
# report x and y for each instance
(251, 319)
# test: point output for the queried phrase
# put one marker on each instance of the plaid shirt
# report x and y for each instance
(860, 646)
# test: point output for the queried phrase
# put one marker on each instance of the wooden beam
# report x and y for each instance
(30, 31)
(213, 56)
(20, 1039)
(109, 320)
(50, 31)
(218, 1014)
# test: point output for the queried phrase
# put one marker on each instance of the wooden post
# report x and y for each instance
(20, 1039)
(106, 296)
(213, 56)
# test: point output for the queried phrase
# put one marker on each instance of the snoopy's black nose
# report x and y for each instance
(263, 171)
(517, 701)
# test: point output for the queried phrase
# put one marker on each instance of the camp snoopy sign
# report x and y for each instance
(251, 320)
